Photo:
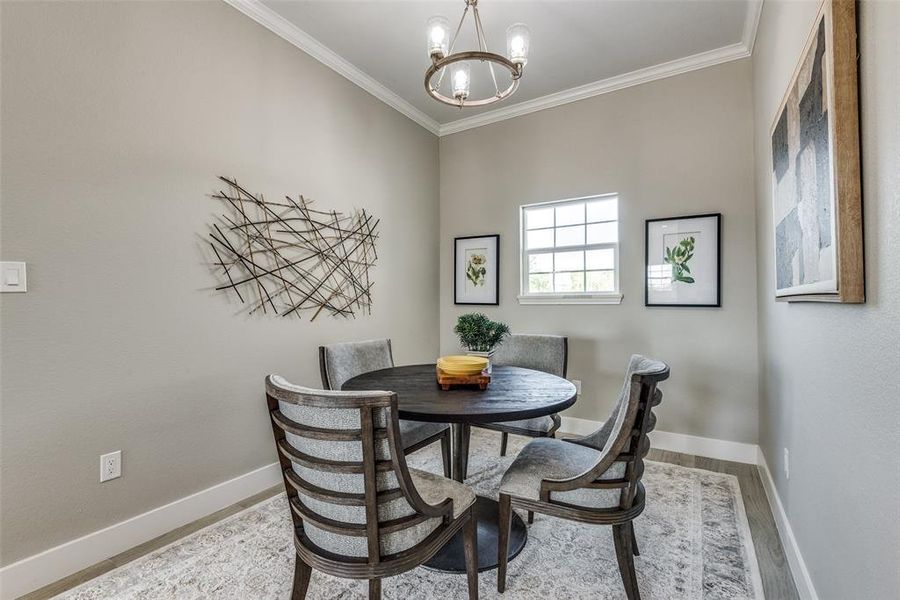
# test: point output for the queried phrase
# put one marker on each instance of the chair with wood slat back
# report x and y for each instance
(343, 361)
(592, 479)
(547, 353)
(358, 510)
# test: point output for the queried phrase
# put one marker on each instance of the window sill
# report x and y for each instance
(613, 298)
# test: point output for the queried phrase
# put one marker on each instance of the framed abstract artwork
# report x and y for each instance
(683, 257)
(476, 270)
(816, 198)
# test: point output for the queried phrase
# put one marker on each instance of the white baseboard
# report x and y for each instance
(51, 565)
(702, 446)
(802, 580)
(579, 426)
(678, 442)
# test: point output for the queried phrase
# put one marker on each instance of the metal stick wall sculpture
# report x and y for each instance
(287, 257)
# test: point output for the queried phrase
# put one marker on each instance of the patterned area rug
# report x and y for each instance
(693, 535)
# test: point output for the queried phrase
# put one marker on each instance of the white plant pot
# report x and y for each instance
(487, 355)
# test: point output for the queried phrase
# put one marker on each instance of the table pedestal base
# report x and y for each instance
(452, 559)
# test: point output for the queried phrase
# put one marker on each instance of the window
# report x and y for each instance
(570, 251)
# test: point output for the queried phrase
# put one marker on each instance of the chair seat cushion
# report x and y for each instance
(434, 489)
(525, 426)
(413, 432)
(549, 458)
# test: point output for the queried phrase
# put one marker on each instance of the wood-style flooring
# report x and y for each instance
(778, 583)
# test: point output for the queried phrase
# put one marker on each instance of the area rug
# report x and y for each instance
(693, 535)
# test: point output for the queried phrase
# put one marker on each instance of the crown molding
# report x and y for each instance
(604, 86)
(308, 44)
(277, 24)
(751, 24)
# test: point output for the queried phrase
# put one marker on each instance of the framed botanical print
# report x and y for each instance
(683, 257)
(816, 198)
(476, 270)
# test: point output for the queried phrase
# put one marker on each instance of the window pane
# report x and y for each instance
(601, 259)
(570, 236)
(570, 215)
(569, 282)
(603, 210)
(540, 263)
(540, 283)
(659, 277)
(537, 218)
(602, 233)
(541, 238)
(570, 261)
(557, 237)
(601, 281)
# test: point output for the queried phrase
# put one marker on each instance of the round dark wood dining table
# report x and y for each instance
(514, 393)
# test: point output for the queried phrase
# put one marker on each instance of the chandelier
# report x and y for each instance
(440, 50)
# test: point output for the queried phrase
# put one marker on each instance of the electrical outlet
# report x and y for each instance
(111, 466)
(787, 463)
(577, 384)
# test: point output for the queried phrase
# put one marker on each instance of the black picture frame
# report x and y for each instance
(718, 270)
(495, 238)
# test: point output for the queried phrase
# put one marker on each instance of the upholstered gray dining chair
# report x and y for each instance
(547, 353)
(358, 510)
(593, 479)
(340, 362)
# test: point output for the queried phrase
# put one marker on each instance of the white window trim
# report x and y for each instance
(586, 298)
(562, 297)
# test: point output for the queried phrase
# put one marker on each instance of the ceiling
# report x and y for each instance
(578, 48)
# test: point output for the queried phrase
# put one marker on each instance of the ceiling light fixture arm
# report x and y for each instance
(514, 69)
(479, 31)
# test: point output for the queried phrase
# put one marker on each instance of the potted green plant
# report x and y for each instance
(479, 335)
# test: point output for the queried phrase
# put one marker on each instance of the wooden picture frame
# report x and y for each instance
(476, 270)
(816, 190)
(683, 261)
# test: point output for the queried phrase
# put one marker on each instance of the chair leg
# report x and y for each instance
(530, 517)
(504, 438)
(374, 589)
(634, 546)
(622, 540)
(504, 525)
(470, 545)
(445, 453)
(302, 573)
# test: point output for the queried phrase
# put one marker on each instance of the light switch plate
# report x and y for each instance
(12, 276)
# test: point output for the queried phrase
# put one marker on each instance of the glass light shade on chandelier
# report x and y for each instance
(438, 34)
(444, 57)
(518, 43)
(461, 75)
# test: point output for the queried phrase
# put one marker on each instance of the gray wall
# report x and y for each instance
(116, 119)
(678, 146)
(831, 374)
